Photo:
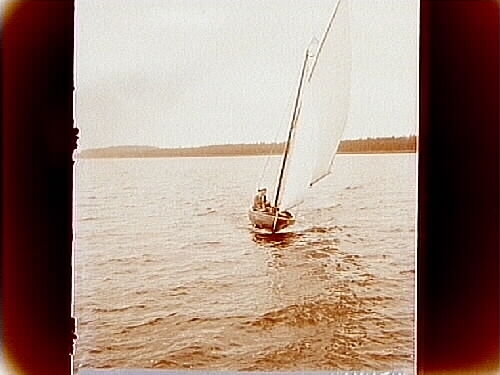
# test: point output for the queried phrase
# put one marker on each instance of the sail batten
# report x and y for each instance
(315, 181)
(323, 105)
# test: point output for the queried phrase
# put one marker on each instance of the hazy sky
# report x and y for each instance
(192, 72)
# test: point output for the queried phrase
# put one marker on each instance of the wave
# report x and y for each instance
(207, 243)
(213, 319)
(90, 218)
(407, 272)
(306, 314)
(150, 322)
(196, 354)
(207, 212)
(118, 309)
(323, 229)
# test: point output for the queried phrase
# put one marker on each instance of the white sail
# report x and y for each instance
(323, 109)
(301, 156)
(330, 81)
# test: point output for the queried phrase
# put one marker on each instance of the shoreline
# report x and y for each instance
(159, 156)
(386, 145)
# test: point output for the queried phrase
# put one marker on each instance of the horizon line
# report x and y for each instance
(229, 144)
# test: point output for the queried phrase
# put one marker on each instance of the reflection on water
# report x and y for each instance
(189, 284)
(275, 240)
(331, 284)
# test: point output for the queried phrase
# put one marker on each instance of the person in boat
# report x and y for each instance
(260, 202)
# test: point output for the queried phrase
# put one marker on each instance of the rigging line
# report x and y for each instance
(268, 158)
(292, 128)
(278, 131)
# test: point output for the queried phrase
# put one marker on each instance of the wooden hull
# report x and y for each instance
(266, 220)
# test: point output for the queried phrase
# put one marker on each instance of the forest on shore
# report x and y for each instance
(358, 146)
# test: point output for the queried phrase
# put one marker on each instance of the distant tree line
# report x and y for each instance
(376, 145)
(368, 145)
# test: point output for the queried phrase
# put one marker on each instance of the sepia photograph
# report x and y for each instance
(245, 185)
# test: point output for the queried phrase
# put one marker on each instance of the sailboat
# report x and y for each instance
(317, 123)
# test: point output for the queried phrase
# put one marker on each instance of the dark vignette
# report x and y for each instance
(458, 244)
(37, 144)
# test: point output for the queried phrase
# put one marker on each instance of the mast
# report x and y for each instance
(290, 131)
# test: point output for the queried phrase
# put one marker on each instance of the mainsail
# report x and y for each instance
(322, 112)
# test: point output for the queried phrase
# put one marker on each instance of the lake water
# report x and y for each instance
(169, 273)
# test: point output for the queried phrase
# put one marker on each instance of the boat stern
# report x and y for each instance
(268, 221)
